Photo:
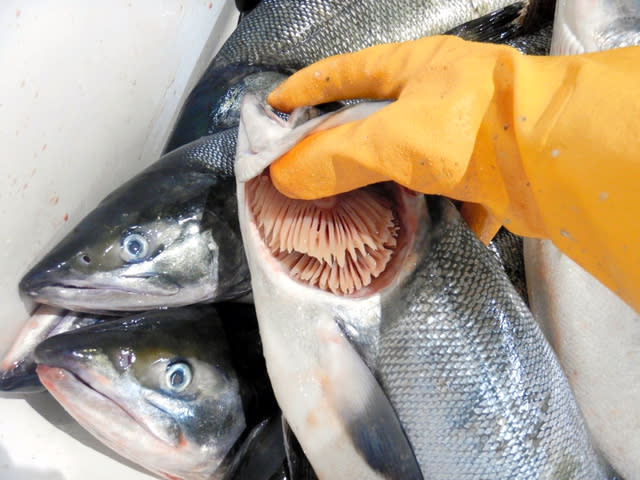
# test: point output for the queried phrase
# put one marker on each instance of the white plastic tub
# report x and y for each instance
(88, 94)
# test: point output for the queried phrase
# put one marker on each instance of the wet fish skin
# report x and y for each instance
(167, 237)
(589, 26)
(18, 367)
(464, 365)
(470, 373)
(286, 35)
(508, 249)
(162, 388)
(594, 333)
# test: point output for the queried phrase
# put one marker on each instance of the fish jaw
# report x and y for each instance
(97, 292)
(582, 26)
(130, 288)
(113, 426)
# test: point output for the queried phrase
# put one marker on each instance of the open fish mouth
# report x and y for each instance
(351, 244)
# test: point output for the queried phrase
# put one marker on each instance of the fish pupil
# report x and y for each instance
(135, 247)
(177, 378)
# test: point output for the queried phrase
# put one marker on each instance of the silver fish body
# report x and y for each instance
(477, 389)
(166, 389)
(286, 35)
(470, 373)
(591, 25)
(594, 333)
(179, 216)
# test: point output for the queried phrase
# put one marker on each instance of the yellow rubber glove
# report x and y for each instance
(547, 145)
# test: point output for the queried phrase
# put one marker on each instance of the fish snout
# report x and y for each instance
(65, 352)
(40, 277)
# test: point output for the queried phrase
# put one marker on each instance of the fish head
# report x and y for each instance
(319, 309)
(591, 25)
(168, 237)
(159, 388)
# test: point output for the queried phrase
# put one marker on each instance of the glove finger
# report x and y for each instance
(324, 164)
(378, 72)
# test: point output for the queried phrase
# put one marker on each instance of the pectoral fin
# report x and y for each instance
(366, 412)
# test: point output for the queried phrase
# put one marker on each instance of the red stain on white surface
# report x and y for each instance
(65, 217)
(54, 200)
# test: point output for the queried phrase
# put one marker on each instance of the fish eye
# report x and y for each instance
(134, 248)
(84, 258)
(178, 376)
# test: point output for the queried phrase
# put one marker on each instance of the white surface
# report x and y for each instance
(88, 93)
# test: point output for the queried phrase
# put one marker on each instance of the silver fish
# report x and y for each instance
(176, 391)
(18, 367)
(594, 333)
(591, 25)
(168, 237)
(475, 385)
(285, 35)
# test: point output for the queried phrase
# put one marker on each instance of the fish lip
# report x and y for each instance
(80, 286)
(34, 283)
(80, 382)
(83, 384)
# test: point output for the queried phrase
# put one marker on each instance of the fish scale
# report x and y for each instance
(460, 358)
(295, 33)
(286, 35)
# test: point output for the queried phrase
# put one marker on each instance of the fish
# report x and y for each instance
(245, 6)
(595, 334)
(185, 240)
(508, 249)
(168, 237)
(582, 26)
(18, 367)
(182, 392)
(286, 35)
(412, 319)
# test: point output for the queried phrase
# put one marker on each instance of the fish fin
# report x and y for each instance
(495, 27)
(263, 136)
(367, 414)
(260, 454)
(297, 463)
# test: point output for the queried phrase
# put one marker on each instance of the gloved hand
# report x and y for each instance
(546, 145)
